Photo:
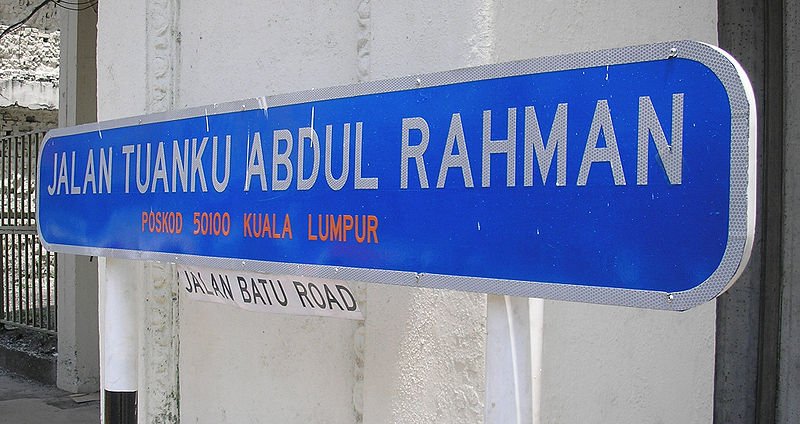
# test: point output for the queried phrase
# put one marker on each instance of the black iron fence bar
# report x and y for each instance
(52, 290)
(28, 149)
(7, 162)
(37, 248)
(9, 211)
(14, 187)
(3, 286)
(4, 272)
(30, 257)
(4, 298)
(16, 241)
(28, 291)
(50, 284)
(6, 195)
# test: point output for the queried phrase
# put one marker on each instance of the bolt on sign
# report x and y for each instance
(623, 176)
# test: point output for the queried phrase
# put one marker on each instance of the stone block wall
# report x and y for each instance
(21, 120)
(29, 68)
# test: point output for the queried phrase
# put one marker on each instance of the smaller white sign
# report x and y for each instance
(283, 294)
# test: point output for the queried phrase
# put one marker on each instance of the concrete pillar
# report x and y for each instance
(757, 356)
(741, 32)
(158, 341)
(78, 362)
(789, 368)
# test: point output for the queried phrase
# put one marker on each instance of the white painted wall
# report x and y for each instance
(419, 356)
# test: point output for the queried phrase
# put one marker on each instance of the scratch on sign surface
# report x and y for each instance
(262, 103)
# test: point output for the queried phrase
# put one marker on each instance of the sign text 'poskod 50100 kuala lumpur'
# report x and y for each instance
(622, 176)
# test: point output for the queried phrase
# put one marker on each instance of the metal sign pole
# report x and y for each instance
(120, 339)
(513, 359)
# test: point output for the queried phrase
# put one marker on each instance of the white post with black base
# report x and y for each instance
(120, 281)
(513, 360)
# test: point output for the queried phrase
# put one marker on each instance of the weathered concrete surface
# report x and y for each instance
(29, 354)
(789, 367)
(23, 401)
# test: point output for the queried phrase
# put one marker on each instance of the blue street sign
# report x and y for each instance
(621, 176)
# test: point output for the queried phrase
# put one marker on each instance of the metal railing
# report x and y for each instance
(28, 274)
